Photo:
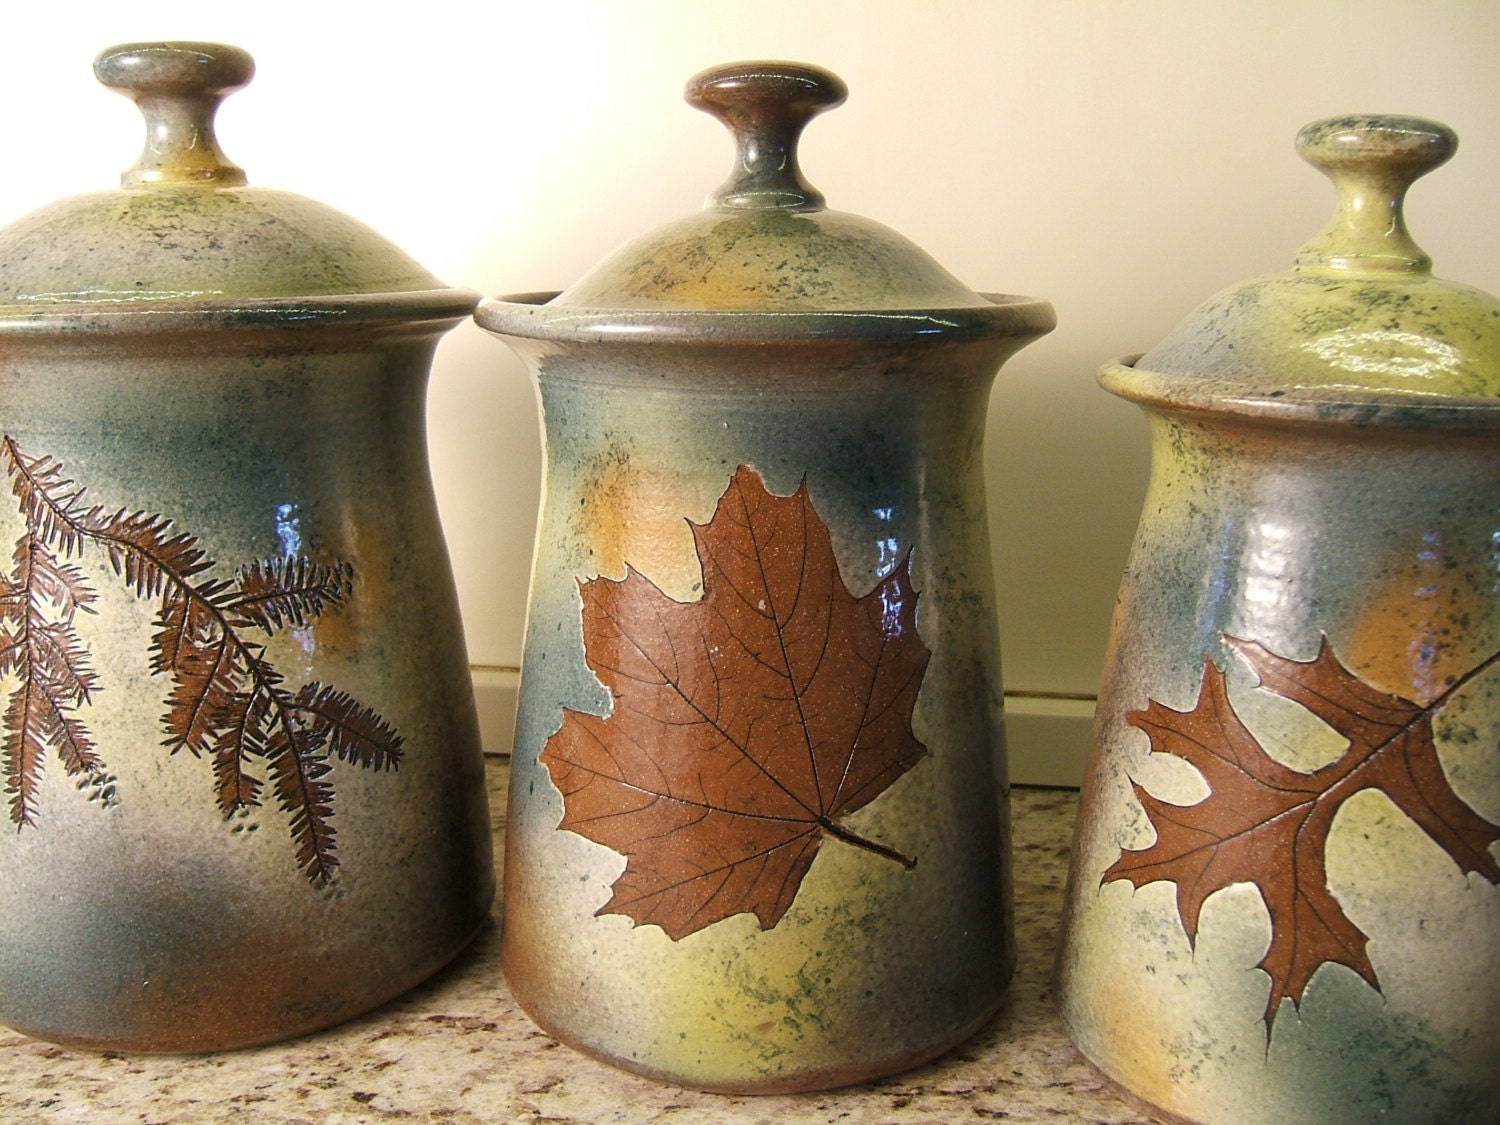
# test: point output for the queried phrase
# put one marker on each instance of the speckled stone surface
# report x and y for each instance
(458, 1050)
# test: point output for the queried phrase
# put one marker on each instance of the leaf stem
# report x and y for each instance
(868, 845)
(1457, 684)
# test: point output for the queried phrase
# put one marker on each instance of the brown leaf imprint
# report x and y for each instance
(745, 725)
(1267, 824)
(226, 700)
(40, 646)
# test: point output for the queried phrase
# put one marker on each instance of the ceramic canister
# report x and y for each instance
(242, 773)
(1283, 903)
(756, 837)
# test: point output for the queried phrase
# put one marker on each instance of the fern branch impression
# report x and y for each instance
(38, 644)
(227, 700)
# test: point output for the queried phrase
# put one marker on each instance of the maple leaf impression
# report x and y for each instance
(1268, 824)
(745, 725)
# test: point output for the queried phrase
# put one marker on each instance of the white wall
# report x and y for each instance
(1123, 159)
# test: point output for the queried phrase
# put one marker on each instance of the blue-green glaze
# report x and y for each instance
(873, 968)
(270, 422)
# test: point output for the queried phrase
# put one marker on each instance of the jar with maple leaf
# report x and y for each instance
(757, 836)
(1283, 904)
(242, 773)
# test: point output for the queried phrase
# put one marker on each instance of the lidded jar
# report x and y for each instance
(242, 768)
(757, 836)
(1283, 903)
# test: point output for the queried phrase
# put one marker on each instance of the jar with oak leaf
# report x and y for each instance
(1283, 902)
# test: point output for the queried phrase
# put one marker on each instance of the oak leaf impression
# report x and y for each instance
(1266, 823)
(226, 699)
(745, 725)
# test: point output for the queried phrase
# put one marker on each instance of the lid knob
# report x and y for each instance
(178, 87)
(1372, 161)
(766, 105)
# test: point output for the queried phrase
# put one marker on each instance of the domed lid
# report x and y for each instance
(765, 240)
(1359, 315)
(184, 229)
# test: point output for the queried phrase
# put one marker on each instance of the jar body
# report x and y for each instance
(873, 966)
(1282, 906)
(283, 823)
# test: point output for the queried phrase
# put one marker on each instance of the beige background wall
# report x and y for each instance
(1123, 158)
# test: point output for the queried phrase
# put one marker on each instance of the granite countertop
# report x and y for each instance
(457, 1050)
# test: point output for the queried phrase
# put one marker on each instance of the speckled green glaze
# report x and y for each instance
(188, 242)
(1360, 312)
(186, 224)
(268, 423)
(1326, 466)
(650, 407)
(770, 259)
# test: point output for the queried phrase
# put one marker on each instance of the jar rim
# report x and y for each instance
(432, 309)
(529, 316)
(1333, 404)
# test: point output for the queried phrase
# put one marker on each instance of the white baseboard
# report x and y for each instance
(495, 699)
(1048, 738)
